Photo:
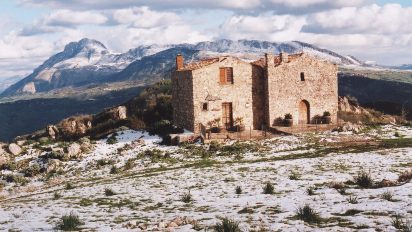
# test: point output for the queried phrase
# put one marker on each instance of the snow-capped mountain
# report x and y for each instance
(89, 61)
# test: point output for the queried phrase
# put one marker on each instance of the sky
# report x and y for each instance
(372, 30)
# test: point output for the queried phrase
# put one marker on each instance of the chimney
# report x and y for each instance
(179, 62)
(269, 60)
(284, 57)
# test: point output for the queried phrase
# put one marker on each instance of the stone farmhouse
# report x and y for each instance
(227, 91)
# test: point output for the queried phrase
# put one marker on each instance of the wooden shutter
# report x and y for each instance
(222, 75)
(229, 75)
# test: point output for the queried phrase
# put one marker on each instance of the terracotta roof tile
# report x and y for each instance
(200, 64)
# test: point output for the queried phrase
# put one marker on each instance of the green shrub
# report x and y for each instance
(129, 164)
(32, 171)
(69, 222)
(16, 179)
(307, 214)
(104, 162)
(364, 180)
(294, 176)
(227, 225)
(10, 165)
(268, 188)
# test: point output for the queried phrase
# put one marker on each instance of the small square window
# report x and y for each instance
(302, 76)
(205, 106)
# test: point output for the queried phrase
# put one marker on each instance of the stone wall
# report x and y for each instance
(182, 101)
(207, 89)
(286, 90)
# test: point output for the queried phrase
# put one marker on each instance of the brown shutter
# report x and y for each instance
(222, 75)
(229, 75)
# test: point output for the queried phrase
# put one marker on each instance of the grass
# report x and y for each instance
(310, 191)
(112, 139)
(109, 192)
(294, 176)
(186, 198)
(114, 170)
(238, 190)
(69, 186)
(307, 214)
(69, 222)
(405, 176)
(387, 196)
(269, 188)
(56, 196)
(227, 225)
(352, 199)
(400, 224)
(364, 180)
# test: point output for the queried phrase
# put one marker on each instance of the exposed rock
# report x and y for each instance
(172, 225)
(52, 165)
(347, 126)
(15, 149)
(142, 226)
(138, 142)
(52, 131)
(74, 149)
(3, 158)
(20, 142)
(347, 105)
(75, 126)
(161, 225)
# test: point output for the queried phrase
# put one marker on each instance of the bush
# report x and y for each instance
(69, 222)
(364, 180)
(307, 214)
(186, 198)
(238, 190)
(268, 188)
(16, 179)
(387, 196)
(10, 165)
(104, 162)
(227, 225)
(56, 196)
(112, 139)
(288, 116)
(114, 170)
(32, 171)
(294, 176)
(326, 114)
(69, 186)
(310, 191)
(109, 192)
(352, 199)
(129, 164)
(400, 224)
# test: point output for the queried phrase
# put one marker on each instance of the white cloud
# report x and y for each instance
(254, 5)
(267, 27)
(61, 19)
(143, 17)
(374, 19)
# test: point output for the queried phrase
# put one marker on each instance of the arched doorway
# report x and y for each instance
(304, 112)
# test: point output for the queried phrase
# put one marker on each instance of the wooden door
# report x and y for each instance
(304, 112)
(227, 117)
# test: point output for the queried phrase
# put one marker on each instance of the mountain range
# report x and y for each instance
(90, 62)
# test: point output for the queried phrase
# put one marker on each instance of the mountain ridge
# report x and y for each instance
(89, 61)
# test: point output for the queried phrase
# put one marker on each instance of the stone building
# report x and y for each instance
(226, 91)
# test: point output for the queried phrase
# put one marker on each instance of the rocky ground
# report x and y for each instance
(348, 181)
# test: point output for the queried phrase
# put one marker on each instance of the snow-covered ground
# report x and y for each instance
(149, 195)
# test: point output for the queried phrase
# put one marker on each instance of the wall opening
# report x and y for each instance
(304, 112)
(205, 106)
(302, 76)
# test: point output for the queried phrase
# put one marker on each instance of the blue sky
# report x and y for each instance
(372, 30)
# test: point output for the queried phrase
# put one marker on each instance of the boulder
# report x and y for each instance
(15, 149)
(20, 142)
(3, 158)
(73, 149)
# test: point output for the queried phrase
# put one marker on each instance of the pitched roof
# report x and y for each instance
(200, 64)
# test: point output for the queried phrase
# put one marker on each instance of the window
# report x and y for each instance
(205, 106)
(226, 75)
(302, 76)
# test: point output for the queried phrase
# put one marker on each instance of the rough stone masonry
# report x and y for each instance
(226, 90)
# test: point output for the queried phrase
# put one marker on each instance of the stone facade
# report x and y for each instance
(259, 93)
